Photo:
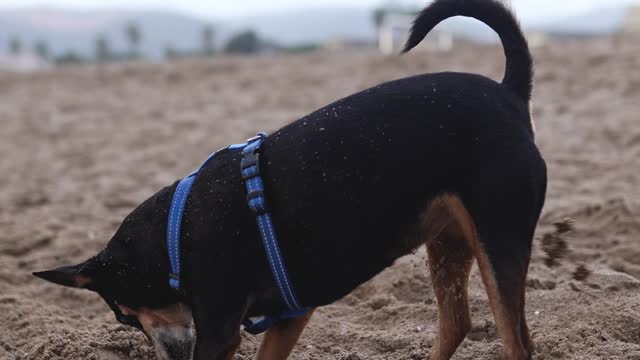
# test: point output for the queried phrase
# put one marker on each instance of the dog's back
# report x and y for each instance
(445, 159)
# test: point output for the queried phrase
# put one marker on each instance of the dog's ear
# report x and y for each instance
(77, 276)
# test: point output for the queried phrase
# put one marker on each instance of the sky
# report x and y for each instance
(220, 9)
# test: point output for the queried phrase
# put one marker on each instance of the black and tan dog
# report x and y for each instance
(447, 160)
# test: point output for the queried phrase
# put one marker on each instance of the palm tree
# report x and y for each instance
(134, 36)
(378, 17)
(15, 46)
(41, 48)
(208, 37)
(103, 50)
(246, 42)
(171, 53)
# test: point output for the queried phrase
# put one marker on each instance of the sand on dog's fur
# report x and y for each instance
(83, 145)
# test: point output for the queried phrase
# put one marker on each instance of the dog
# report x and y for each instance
(446, 160)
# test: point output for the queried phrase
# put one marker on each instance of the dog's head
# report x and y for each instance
(131, 275)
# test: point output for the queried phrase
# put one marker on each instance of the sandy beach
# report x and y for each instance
(82, 146)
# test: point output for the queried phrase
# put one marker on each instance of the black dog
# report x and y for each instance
(447, 160)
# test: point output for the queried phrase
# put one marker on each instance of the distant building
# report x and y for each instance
(394, 31)
(24, 61)
(536, 38)
(632, 20)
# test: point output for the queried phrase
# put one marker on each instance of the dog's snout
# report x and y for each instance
(170, 329)
(174, 342)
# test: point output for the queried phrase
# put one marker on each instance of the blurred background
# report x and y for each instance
(34, 35)
(104, 102)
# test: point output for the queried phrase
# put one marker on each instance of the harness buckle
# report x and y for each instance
(250, 160)
(258, 205)
(257, 202)
(255, 194)
(174, 281)
(250, 172)
(250, 163)
(259, 136)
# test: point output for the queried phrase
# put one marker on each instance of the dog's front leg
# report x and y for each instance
(278, 342)
(217, 320)
(216, 340)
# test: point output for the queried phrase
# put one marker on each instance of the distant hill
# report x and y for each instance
(67, 30)
(311, 25)
(77, 31)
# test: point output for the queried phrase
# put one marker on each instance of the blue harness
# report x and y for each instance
(250, 168)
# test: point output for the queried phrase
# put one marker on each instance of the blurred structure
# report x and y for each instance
(344, 44)
(134, 37)
(23, 61)
(208, 40)
(394, 30)
(632, 20)
(245, 42)
(536, 38)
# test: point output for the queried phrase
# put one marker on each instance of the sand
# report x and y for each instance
(81, 146)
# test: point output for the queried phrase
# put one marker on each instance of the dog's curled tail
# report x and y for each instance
(519, 70)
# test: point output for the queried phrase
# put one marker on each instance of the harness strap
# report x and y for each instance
(173, 228)
(259, 325)
(174, 223)
(250, 166)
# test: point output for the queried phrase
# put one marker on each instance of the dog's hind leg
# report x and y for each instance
(505, 214)
(504, 279)
(450, 261)
(506, 298)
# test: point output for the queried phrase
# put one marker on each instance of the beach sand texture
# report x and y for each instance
(82, 146)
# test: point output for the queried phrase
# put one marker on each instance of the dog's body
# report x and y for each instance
(447, 160)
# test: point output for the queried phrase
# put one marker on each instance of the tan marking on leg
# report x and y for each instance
(533, 123)
(279, 341)
(508, 316)
(229, 354)
(507, 321)
(524, 329)
(450, 261)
